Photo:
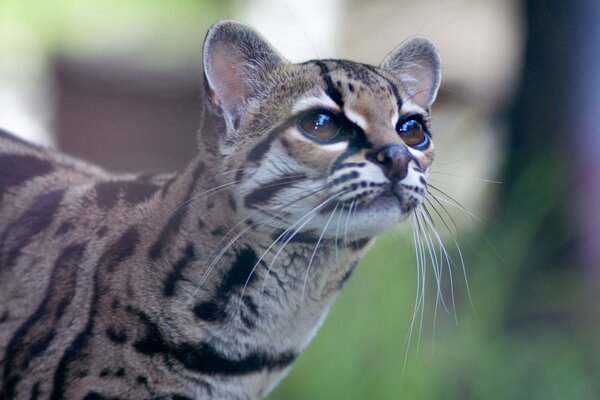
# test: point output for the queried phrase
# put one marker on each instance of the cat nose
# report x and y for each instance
(394, 160)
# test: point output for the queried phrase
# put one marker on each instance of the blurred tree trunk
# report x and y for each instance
(548, 121)
(584, 117)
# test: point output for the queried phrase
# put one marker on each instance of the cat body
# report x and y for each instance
(209, 283)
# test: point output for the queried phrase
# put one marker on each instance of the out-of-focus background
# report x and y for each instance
(517, 130)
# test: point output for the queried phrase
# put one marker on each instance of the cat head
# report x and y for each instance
(322, 146)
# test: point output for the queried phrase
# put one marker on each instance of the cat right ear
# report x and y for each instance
(416, 64)
(236, 59)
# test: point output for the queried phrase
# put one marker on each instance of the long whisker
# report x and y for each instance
(240, 234)
(309, 215)
(313, 256)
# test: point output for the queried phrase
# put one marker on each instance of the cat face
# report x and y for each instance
(326, 148)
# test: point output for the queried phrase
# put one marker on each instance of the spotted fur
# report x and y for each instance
(207, 284)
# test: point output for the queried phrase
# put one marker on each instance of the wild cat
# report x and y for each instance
(208, 283)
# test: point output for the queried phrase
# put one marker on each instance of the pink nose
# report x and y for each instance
(394, 160)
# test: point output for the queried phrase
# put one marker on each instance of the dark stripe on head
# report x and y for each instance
(170, 283)
(17, 169)
(267, 191)
(258, 151)
(116, 253)
(331, 90)
(37, 333)
(391, 84)
(204, 358)
(35, 220)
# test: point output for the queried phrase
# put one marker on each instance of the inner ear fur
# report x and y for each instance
(236, 60)
(416, 64)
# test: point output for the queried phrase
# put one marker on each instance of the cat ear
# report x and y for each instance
(236, 57)
(416, 63)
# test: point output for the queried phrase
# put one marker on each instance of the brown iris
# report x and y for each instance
(321, 125)
(413, 134)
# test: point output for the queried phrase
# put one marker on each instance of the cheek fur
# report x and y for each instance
(312, 155)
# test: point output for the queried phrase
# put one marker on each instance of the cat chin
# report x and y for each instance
(368, 220)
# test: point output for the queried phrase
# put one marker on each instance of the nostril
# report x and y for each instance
(394, 161)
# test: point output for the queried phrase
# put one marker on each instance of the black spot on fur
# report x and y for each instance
(219, 231)
(180, 397)
(35, 220)
(17, 169)
(239, 273)
(350, 87)
(203, 358)
(210, 311)
(97, 396)
(116, 336)
(268, 191)
(170, 283)
(141, 380)
(37, 333)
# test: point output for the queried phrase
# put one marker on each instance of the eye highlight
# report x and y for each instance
(321, 125)
(413, 134)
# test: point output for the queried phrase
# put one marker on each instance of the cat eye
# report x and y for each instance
(413, 134)
(322, 125)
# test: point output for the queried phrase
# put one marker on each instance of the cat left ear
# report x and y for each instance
(416, 64)
(236, 60)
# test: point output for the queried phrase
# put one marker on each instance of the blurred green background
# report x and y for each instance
(517, 133)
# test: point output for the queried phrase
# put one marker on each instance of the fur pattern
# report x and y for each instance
(208, 283)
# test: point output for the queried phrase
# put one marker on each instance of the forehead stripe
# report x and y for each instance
(389, 81)
(332, 92)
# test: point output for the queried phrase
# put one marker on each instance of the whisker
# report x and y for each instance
(240, 234)
(466, 177)
(309, 217)
(313, 256)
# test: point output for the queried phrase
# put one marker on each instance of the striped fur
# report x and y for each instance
(207, 283)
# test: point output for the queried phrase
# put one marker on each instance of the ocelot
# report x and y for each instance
(208, 283)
